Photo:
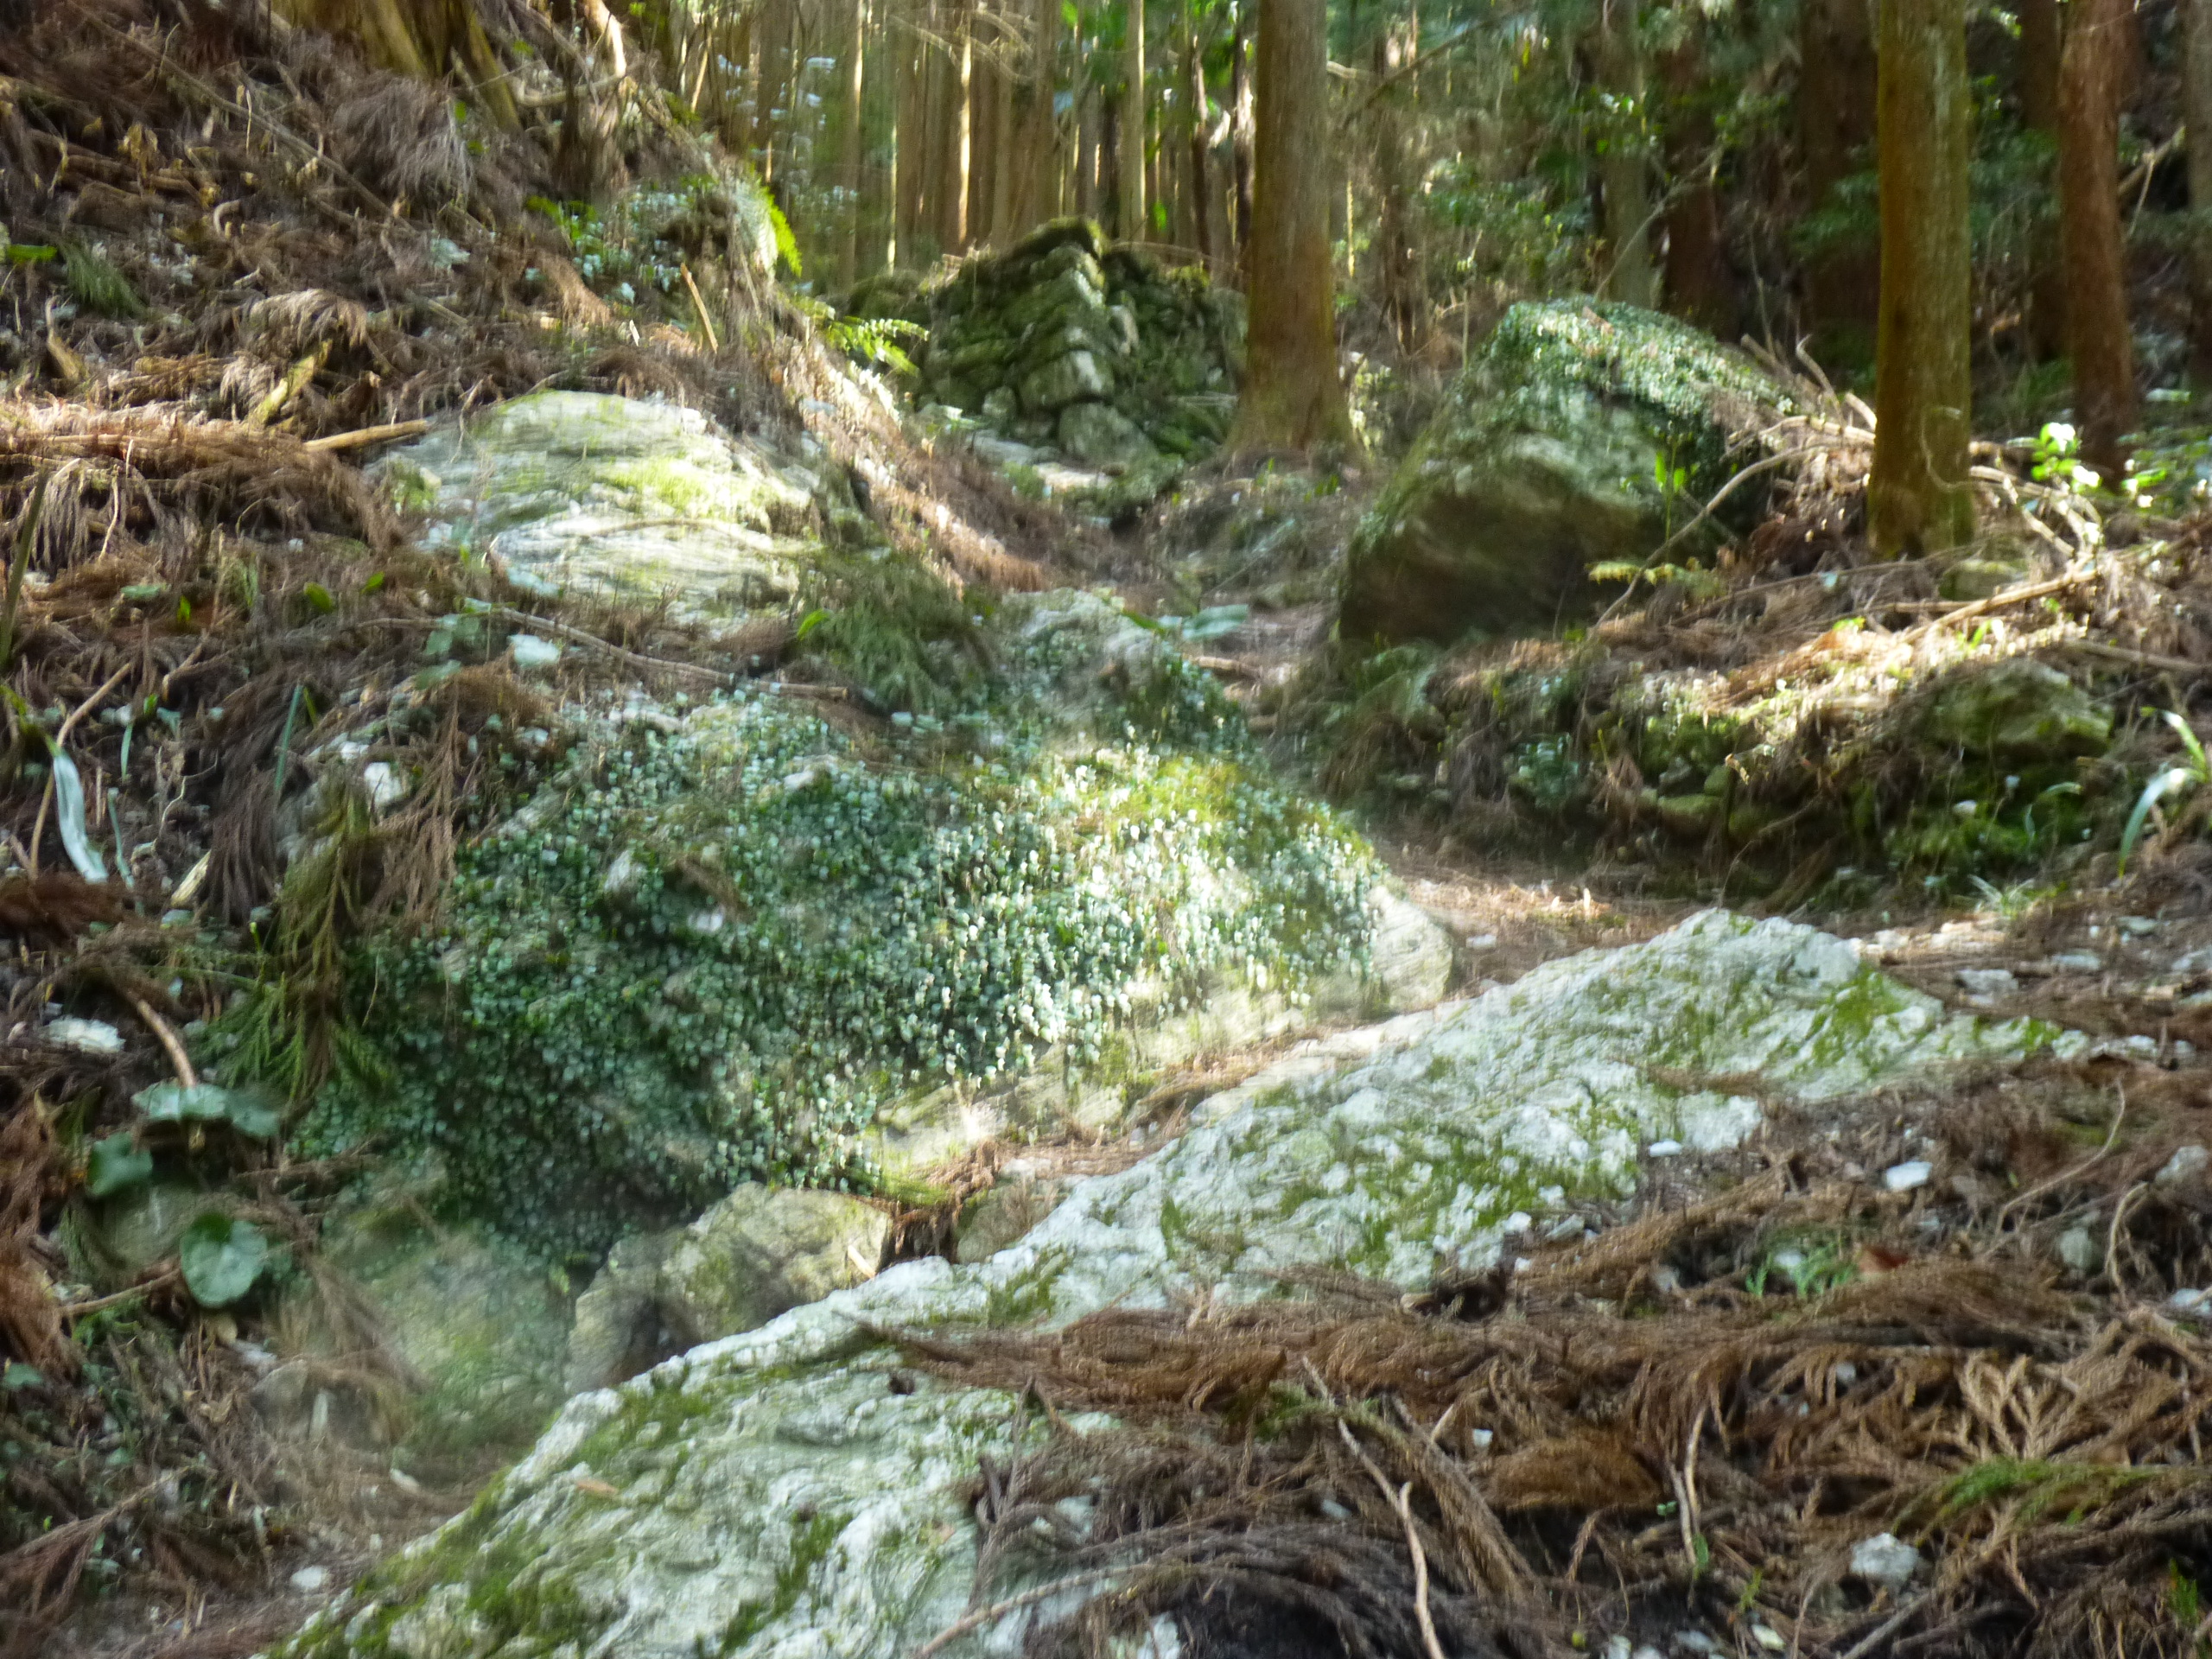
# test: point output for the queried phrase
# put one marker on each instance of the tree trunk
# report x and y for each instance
(771, 96)
(854, 140)
(2091, 241)
(1241, 123)
(2196, 115)
(911, 147)
(1835, 128)
(1130, 221)
(1699, 283)
(1089, 141)
(2039, 45)
(1625, 166)
(1405, 306)
(1919, 500)
(1293, 397)
(1045, 124)
(1201, 189)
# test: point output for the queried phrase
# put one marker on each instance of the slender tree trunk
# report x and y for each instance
(1130, 213)
(1242, 122)
(1293, 396)
(1089, 140)
(1404, 303)
(1624, 169)
(1698, 284)
(2196, 115)
(1919, 500)
(771, 99)
(853, 139)
(1000, 150)
(2038, 60)
(1043, 92)
(2092, 242)
(1835, 125)
(1201, 169)
(911, 142)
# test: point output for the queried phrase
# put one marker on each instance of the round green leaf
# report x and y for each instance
(221, 1256)
(114, 1165)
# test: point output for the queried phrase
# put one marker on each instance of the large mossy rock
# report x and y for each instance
(619, 498)
(1065, 339)
(793, 1491)
(1581, 434)
(746, 942)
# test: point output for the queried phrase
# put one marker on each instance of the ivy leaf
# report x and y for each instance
(20, 1376)
(221, 1257)
(207, 1102)
(114, 1165)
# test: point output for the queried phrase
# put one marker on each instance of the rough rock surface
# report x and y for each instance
(1560, 450)
(775, 1494)
(623, 496)
(760, 1252)
(1064, 340)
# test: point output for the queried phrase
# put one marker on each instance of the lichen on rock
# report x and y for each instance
(789, 1490)
(609, 496)
(1579, 435)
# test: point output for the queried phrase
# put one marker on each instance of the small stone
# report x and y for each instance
(1769, 1638)
(530, 652)
(1988, 981)
(1695, 1642)
(2078, 961)
(1482, 942)
(86, 1036)
(1565, 1228)
(2186, 1165)
(2138, 927)
(1885, 1560)
(310, 1579)
(2078, 1248)
(2191, 1303)
(386, 785)
(1665, 1149)
(1903, 1178)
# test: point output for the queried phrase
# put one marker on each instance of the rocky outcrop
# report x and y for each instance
(1581, 434)
(1076, 347)
(794, 1490)
(619, 498)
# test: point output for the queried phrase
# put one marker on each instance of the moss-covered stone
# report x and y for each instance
(614, 497)
(781, 1493)
(1581, 434)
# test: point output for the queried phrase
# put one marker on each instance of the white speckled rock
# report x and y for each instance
(771, 1494)
(623, 496)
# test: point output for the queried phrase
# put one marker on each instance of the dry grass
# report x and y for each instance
(1652, 1429)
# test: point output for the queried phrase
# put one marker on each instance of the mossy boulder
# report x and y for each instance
(743, 942)
(794, 1491)
(2015, 710)
(1581, 434)
(1065, 337)
(619, 498)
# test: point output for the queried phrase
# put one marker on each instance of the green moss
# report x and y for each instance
(810, 1543)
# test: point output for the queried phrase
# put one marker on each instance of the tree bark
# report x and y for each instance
(911, 147)
(1835, 126)
(1698, 281)
(1200, 217)
(2091, 241)
(1045, 120)
(2196, 116)
(1405, 306)
(1293, 396)
(1130, 217)
(2039, 47)
(1241, 123)
(1624, 168)
(1919, 499)
(853, 146)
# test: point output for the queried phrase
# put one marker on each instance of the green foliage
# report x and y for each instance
(896, 627)
(114, 1165)
(1814, 1263)
(207, 1102)
(222, 1257)
(717, 955)
(97, 285)
(2193, 774)
(869, 339)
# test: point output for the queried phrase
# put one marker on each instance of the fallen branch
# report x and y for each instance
(363, 436)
